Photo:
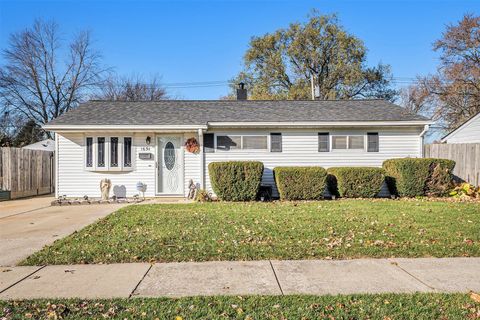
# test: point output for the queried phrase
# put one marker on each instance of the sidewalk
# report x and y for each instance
(316, 277)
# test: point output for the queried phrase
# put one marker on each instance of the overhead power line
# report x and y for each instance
(222, 83)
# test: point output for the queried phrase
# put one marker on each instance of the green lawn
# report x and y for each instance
(253, 231)
(384, 307)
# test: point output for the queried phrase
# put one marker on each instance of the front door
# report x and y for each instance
(170, 165)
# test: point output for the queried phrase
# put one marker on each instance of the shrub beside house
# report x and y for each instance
(236, 180)
(300, 183)
(412, 177)
(405, 177)
(355, 182)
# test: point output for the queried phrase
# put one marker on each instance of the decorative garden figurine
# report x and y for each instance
(142, 187)
(105, 185)
(193, 190)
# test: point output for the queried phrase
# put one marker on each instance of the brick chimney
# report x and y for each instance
(241, 91)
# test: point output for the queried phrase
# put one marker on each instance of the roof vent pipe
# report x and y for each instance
(241, 91)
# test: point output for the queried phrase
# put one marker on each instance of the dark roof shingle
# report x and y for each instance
(201, 112)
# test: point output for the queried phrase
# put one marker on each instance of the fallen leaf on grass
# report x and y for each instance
(475, 296)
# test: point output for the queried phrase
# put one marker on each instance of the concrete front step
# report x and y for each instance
(315, 277)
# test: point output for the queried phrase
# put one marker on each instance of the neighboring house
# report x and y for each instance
(44, 145)
(130, 142)
(468, 132)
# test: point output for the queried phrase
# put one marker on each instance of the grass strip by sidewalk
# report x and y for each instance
(381, 306)
(342, 229)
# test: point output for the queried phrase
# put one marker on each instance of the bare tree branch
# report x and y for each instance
(36, 82)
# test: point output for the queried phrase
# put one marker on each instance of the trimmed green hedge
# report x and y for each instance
(355, 182)
(412, 177)
(300, 183)
(236, 180)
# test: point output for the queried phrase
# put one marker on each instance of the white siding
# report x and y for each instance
(75, 181)
(468, 133)
(300, 148)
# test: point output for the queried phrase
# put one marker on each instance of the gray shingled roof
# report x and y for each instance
(202, 112)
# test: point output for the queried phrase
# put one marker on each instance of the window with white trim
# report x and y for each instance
(127, 152)
(108, 153)
(242, 142)
(348, 142)
(101, 152)
(113, 152)
(89, 152)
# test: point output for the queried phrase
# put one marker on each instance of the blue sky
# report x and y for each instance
(197, 41)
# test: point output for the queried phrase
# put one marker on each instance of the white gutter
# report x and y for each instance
(318, 124)
(425, 129)
(121, 127)
(55, 154)
(182, 128)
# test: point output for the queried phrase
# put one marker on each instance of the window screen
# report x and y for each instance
(255, 142)
(89, 155)
(323, 142)
(372, 142)
(113, 152)
(275, 142)
(339, 142)
(355, 142)
(127, 152)
(229, 142)
(100, 152)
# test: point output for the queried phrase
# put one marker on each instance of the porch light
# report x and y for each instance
(148, 140)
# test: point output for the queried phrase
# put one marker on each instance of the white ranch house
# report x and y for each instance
(131, 142)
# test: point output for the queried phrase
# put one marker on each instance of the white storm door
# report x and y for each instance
(170, 165)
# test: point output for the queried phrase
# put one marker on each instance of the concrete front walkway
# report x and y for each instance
(315, 277)
(27, 225)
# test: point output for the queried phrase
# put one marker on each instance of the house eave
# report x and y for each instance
(283, 124)
(315, 124)
(129, 128)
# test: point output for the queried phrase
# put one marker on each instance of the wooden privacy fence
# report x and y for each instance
(466, 156)
(26, 172)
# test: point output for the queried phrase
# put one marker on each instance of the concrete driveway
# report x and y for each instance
(26, 226)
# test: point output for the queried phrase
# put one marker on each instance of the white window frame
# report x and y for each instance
(241, 135)
(348, 142)
(121, 139)
(94, 158)
(107, 166)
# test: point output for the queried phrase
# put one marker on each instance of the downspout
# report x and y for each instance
(56, 165)
(202, 159)
(422, 134)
